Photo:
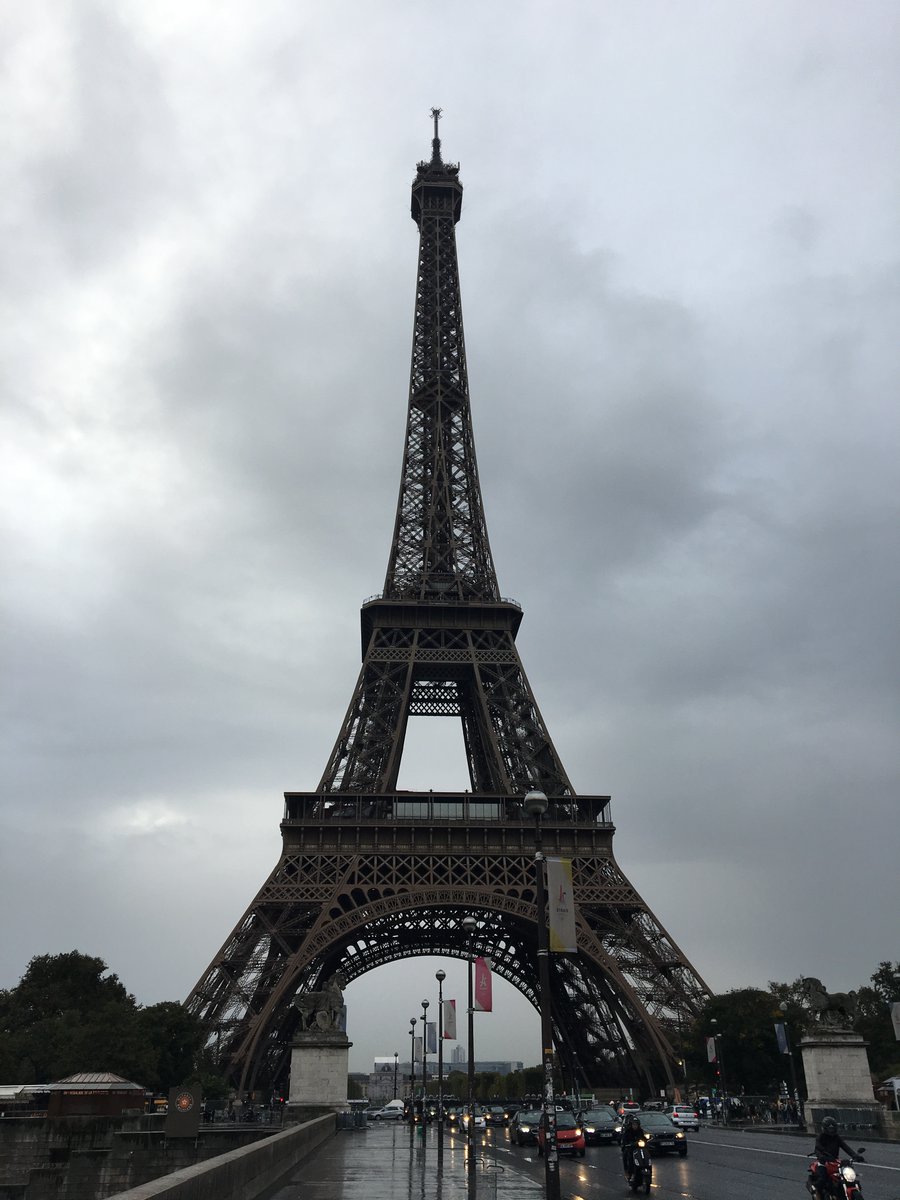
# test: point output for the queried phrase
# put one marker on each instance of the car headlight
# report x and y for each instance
(590, 1129)
(678, 1135)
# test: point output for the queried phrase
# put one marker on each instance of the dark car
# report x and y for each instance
(601, 1126)
(523, 1128)
(569, 1134)
(665, 1138)
(495, 1114)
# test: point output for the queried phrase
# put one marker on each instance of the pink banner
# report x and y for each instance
(483, 997)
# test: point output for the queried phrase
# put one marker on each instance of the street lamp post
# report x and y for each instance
(536, 804)
(440, 976)
(801, 1120)
(720, 1059)
(424, 1063)
(396, 1060)
(412, 1074)
(469, 924)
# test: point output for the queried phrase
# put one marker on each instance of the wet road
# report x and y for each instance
(380, 1163)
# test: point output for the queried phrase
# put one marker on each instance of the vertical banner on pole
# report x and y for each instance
(431, 1037)
(561, 906)
(417, 1049)
(450, 1020)
(895, 1018)
(781, 1038)
(711, 1049)
(483, 991)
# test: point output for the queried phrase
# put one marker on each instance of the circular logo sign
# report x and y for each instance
(184, 1102)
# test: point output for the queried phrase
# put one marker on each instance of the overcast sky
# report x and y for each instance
(680, 262)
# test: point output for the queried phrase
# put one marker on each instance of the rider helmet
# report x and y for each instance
(829, 1125)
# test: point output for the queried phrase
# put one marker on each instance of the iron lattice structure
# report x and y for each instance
(369, 875)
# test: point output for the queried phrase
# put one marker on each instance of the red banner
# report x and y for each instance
(483, 997)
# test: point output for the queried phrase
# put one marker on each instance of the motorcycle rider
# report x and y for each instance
(829, 1145)
(630, 1134)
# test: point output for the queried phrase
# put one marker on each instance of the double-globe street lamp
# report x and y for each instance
(536, 805)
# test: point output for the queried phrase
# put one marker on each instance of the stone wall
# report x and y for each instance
(88, 1158)
(242, 1174)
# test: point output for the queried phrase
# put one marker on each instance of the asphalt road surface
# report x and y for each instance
(721, 1164)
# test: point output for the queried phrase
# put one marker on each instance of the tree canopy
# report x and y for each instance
(69, 1013)
(744, 1022)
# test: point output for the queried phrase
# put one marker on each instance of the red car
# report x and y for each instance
(569, 1134)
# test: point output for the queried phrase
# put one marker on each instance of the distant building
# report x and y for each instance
(94, 1094)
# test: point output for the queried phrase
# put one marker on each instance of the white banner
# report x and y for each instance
(895, 1018)
(711, 1049)
(450, 1019)
(561, 906)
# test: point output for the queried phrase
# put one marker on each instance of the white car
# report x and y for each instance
(390, 1112)
(685, 1116)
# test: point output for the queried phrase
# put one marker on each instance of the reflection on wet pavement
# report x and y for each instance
(382, 1163)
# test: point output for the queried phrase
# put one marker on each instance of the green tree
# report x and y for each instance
(175, 1039)
(70, 1013)
(873, 1020)
(745, 1031)
(458, 1084)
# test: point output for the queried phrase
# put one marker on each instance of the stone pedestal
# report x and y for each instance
(319, 1065)
(838, 1081)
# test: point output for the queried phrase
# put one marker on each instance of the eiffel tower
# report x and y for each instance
(369, 874)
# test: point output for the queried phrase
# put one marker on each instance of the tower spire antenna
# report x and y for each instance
(436, 141)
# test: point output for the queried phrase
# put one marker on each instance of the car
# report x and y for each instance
(392, 1111)
(664, 1136)
(685, 1116)
(653, 1106)
(569, 1134)
(601, 1126)
(624, 1107)
(523, 1128)
(495, 1114)
(477, 1118)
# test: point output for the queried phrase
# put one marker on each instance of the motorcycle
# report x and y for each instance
(641, 1167)
(843, 1181)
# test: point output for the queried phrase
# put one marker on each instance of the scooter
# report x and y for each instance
(843, 1181)
(641, 1166)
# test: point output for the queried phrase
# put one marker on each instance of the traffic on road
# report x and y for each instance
(716, 1162)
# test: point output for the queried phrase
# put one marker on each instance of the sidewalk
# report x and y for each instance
(379, 1163)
